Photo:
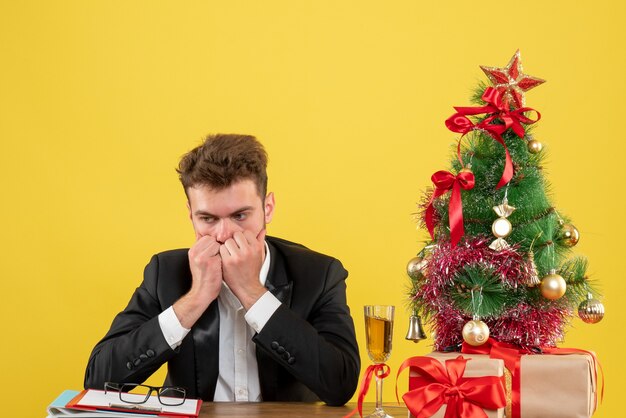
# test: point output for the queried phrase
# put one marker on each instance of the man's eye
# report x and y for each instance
(207, 219)
(240, 216)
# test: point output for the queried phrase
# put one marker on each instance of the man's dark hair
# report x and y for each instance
(224, 159)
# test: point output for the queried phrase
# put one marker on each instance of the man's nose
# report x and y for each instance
(225, 230)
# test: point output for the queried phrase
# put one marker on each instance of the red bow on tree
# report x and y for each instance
(444, 181)
(498, 109)
(436, 385)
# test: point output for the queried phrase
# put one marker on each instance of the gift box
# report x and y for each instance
(559, 383)
(476, 366)
(557, 386)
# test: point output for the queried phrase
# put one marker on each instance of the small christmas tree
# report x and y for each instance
(498, 261)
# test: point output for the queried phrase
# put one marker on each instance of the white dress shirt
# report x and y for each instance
(238, 378)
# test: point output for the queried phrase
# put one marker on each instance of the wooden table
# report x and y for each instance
(290, 410)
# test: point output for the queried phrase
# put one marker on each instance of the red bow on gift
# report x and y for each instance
(444, 181)
(466, 397)
(499, 109)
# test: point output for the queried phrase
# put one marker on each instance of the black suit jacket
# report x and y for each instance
(305, 352)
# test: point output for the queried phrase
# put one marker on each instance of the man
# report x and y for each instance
(239, 316)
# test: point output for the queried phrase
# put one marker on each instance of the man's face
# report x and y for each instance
(221, 213)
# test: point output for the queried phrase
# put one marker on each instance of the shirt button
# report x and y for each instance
(240, 351)
(240, 391)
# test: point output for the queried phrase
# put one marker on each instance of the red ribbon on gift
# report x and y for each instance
(380, 371)
(499, 110)
(444, 181)
(512, 356)
(466, 397)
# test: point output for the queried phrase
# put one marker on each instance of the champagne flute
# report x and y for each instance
(378, 334)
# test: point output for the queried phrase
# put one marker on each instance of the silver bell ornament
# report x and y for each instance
(416, 331)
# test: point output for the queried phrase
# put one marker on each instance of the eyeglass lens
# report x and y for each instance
(172, 396)
(133, 393)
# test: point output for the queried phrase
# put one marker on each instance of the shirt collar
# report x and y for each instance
(265, 268)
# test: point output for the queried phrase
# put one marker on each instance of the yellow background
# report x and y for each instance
(99, 99)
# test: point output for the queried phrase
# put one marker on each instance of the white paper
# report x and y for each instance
(97, 398)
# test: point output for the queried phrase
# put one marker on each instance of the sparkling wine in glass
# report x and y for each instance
(379, 335)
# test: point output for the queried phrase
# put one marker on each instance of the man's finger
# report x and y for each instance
(212, 249)
(241, 239)
(249, 236)
(230, 246)
(261, 236)
(205, 242)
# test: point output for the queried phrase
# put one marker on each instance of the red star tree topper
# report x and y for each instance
(511, 81)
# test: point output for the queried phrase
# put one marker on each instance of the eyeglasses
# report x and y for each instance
(135, 393)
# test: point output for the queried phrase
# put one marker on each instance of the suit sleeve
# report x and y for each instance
(134, 347)
(320, 350)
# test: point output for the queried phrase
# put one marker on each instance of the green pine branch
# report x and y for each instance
(478, 290)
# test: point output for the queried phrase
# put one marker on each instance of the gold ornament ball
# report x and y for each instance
(569, 235)
(534, 146)
(501, 227)
(591, 311)
(475, 332)
(415, 267)
(553, 286)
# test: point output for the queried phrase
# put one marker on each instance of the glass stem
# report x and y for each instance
(379, 394)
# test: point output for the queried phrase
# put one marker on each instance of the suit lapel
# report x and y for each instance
(206, 335)
(278, 284)
(277, 281)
